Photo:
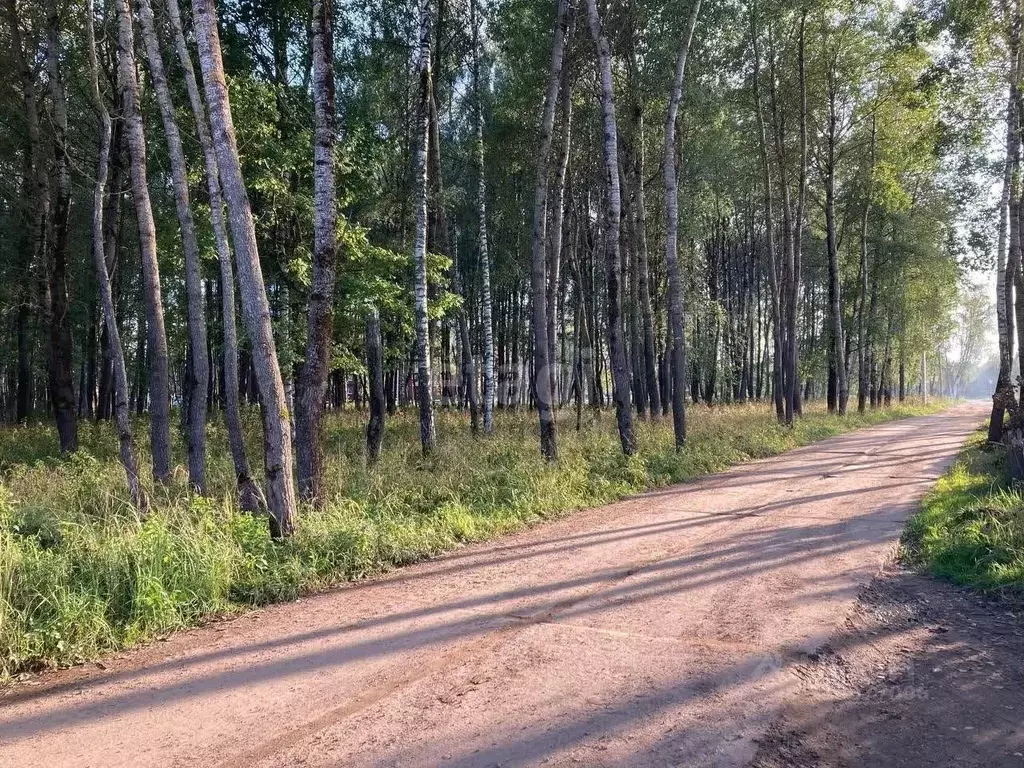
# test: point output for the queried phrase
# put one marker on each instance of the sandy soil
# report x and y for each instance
(925, 675)
(688, 627)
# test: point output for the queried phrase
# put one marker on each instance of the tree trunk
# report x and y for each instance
(862, 338)
(375, 377)
(320, 321)
(554, 280)
(61, 361)
(249, 496)
(198, 368)
(538, 262)
(793, 404)
(1003, 397)
(769, 222)
(838, 351)
(156, 341)
(122, 417)
(486, 317)
(277, 449)
(613, 220)
(36, 194)
(643, 277)
(424, 390)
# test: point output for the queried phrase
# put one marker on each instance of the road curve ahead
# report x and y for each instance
(658, 631)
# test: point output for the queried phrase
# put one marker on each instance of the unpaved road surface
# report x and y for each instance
(926, 675)
(673, 629)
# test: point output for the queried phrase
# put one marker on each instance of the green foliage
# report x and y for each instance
(79, 575)
(971, 526)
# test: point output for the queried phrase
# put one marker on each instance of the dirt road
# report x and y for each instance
(664, 630)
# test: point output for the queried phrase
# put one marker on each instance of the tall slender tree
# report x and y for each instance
(424, 385)
(862, 325)
(320, 322)
(249, 496)
(612, 233)
(538, 249)
(675, 283)
(62, 383)
(277, 448)
(197, 371)
(156, 338)
(769, 223)
(486, 311)
(838, 350)
(122, 417)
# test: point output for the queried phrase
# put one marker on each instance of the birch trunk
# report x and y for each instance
(769, 223)
(156, 341)
(643, 278)
(613, 222)
(249, 496)
(320, 318)
(115, 350)
(675, 285)
(198, 369)
(795, 403)
(424, 390)
(486, 310)
(862, 339)
(1003, 397)
(835, 284)
(557, 223)
(538, 250)
(277, 449)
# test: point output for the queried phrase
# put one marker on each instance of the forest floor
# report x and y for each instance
(742, 617)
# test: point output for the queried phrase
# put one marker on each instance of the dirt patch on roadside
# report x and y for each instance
(928, 674)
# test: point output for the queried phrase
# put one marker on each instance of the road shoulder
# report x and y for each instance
(926, 674)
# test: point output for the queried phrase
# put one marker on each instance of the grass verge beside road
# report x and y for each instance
(81, 576)
(970, 529)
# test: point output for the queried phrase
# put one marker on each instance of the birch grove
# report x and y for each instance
(478, 215)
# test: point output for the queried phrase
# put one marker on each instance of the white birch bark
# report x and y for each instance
(249, 496)
(613, 224)
(424, 389)
(676, 306)
(538, 265)
(320, 325)
(486, 309)
(198, 370)
(122, 418)
(156, 341)
(277, 448)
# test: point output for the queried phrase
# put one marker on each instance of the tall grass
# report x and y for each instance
(80, 575)
(970, 529)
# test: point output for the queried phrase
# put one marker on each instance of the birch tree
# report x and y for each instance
(197, 371)
(612, 227)
(156, 335)
(122, 418)
(277, 448)
(538, 250)
(320, 320)
(486, 311)
(249, 496)
(675, 284)
(424, 387)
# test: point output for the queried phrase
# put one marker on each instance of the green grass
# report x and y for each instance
(970, 529)
(80, 576)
